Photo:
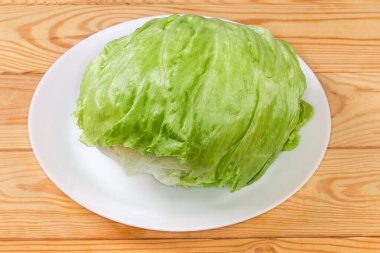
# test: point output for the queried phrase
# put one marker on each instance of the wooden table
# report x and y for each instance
(338, 210)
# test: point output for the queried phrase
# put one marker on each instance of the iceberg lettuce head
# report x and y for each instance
(194, 101)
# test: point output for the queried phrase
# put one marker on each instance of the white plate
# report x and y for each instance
(99, 184)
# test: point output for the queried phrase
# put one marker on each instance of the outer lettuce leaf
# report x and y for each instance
(212, 102)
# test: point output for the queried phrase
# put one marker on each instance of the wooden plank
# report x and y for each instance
(330, 38)
(16, 92)
(154, 2)
(353, 100)
(354, 105)
(121, 2)
(342, 198)
(347, 245)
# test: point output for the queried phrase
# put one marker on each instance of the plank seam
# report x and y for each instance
(192, 238)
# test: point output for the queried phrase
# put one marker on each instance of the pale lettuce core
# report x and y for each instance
(194, 101)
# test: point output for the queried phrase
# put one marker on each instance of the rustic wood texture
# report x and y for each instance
(283, 245)
(331, 38)
(338, 210)
(162, 2)
(342, 198)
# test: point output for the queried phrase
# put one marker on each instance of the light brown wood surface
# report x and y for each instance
(343, 39)
(342, 199)
(281, 245)
(338, 210)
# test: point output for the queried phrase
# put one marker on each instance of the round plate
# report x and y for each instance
(100, 185)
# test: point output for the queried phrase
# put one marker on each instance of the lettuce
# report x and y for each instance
(194, 101)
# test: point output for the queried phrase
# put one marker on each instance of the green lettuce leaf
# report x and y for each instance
(194, 101)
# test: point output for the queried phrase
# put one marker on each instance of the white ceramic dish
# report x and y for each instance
(100, 185)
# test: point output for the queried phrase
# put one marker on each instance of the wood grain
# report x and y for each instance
(342, 198)
(347, 245)
(339, 39)
(354, 105)
(338, 210)
(331, 3)
(353, 98)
